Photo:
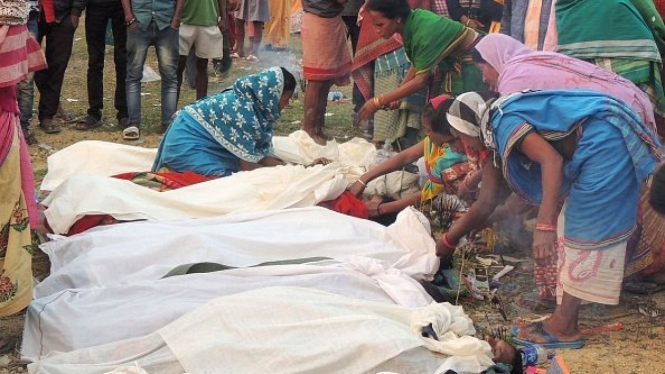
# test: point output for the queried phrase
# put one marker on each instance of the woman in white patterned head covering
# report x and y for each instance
(469, 114)
(467, 117)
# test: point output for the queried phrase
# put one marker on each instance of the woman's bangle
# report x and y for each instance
(468, 19)
(378, 209)
(361, 182)
(130, 21)
(377, 102)
(446, 242)
(545, 227)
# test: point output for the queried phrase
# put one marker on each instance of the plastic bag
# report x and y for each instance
(375, 158)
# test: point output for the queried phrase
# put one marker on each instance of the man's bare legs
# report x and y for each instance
(201, 78)
(256, 39)
(182, 64)
(316, 100)
(239, 48)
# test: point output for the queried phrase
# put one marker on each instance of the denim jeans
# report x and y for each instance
(26, 87)
(166, 45)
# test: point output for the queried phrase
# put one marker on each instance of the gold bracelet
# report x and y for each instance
(378, 103)
(361, 182)
(467, 21)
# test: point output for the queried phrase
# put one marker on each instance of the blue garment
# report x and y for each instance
(513, 22)
(211, 136)
(165, 42)
(26, 87)
(159, 11)
(615, 153)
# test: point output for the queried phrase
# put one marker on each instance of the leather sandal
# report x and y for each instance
(88, 123)
(64, 115)
(49, 126)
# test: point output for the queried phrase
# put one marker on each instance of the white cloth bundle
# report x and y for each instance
(137, 251)
(291, 330)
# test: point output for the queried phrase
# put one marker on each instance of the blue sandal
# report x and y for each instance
(551, 341)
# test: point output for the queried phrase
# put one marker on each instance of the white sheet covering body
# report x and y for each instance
(81, 173)
(93, 157)
(130, 252)
(75, 319)
(286, 330)
(279, 187)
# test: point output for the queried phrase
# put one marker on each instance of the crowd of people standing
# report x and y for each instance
(204, 31)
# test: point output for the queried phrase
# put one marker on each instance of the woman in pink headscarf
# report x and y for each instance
(510, 66)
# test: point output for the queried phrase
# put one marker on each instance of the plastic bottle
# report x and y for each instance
(335, 96)
(533, 355)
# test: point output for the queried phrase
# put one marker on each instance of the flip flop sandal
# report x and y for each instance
(64, 115)
(551, 341)
(131, 133)
(252, 59)
(643, 287)
(30, 137)
(235, 55)
(50, 127)
(88, 123)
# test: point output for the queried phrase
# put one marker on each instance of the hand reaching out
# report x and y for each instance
(321, 161)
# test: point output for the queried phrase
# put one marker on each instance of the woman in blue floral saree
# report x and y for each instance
(230, 131)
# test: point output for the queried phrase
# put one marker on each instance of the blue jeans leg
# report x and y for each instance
(166, 46)
(138, 41)
(26, 88)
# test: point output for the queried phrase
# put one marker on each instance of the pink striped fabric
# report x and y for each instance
(19, 55)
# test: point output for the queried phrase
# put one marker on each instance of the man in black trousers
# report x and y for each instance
(57, 24)
(98, 14)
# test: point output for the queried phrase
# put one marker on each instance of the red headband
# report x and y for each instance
(438, 100)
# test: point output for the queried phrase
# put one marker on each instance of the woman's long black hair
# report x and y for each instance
(391, 9)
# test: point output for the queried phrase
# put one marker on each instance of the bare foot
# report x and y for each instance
(321, 135)
(315, 136)
(319, 140)
(537, 333)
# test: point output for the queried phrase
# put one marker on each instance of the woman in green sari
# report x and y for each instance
(631, 47)
(433, 44)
